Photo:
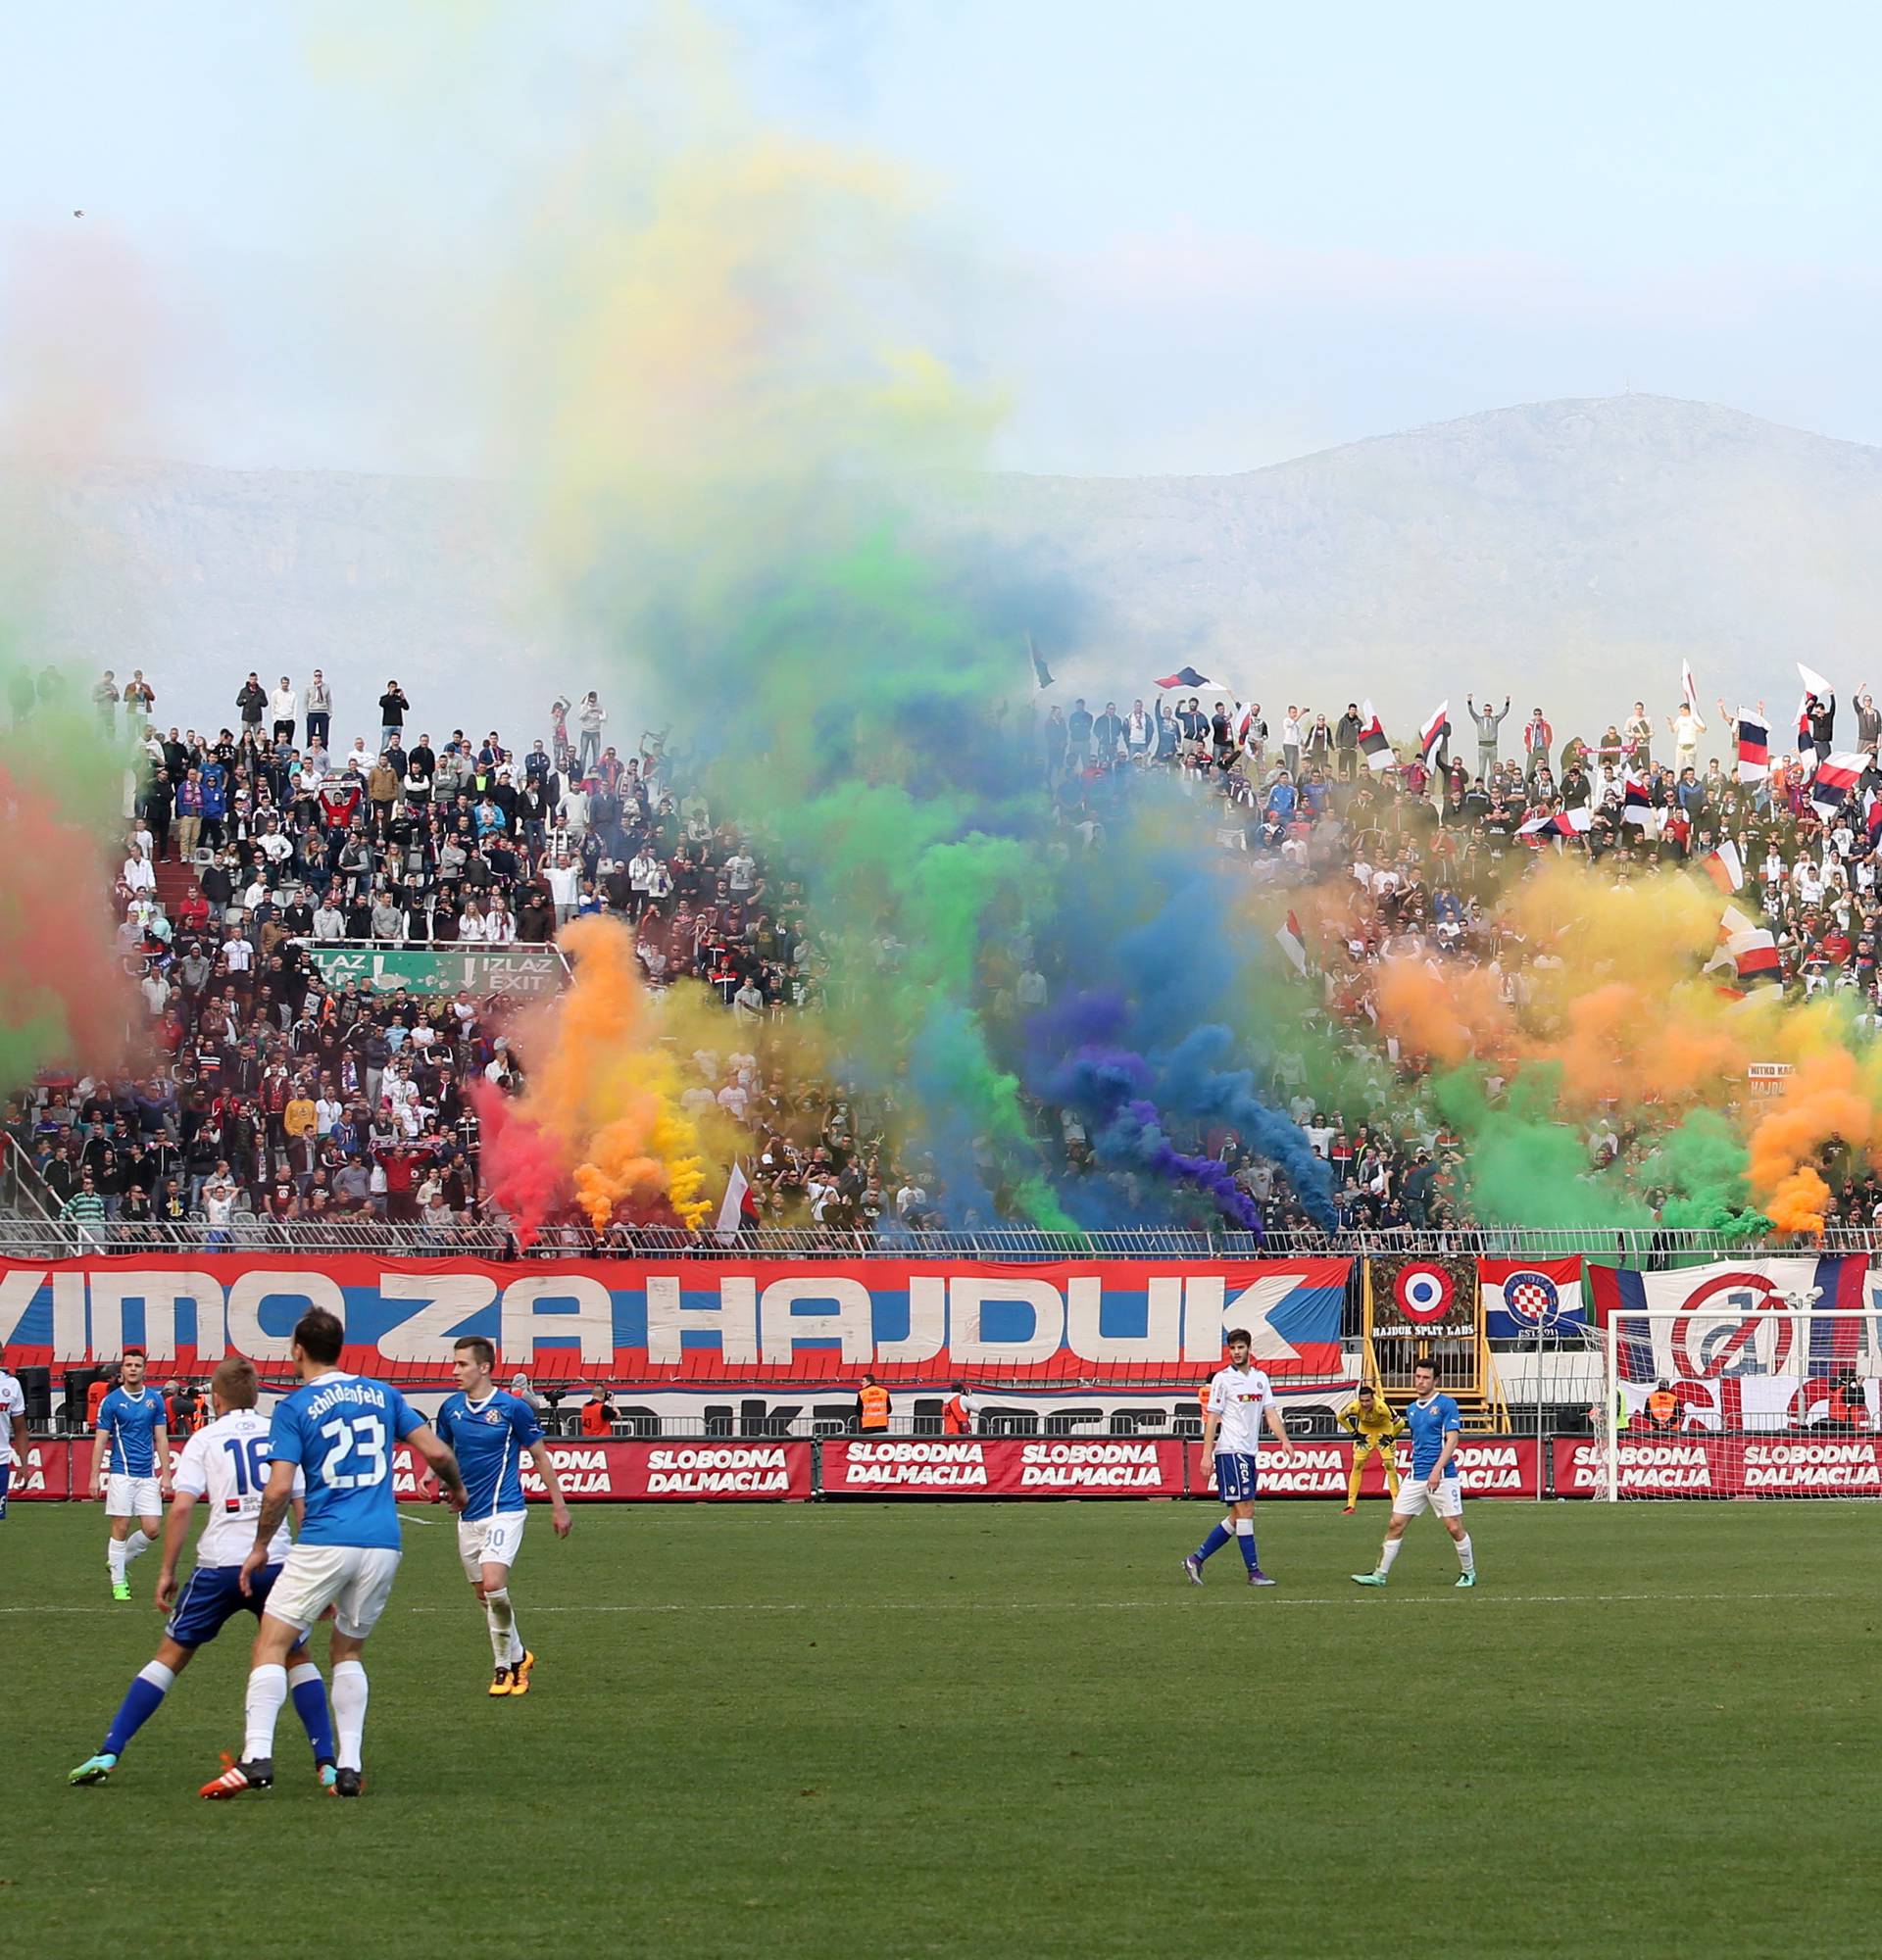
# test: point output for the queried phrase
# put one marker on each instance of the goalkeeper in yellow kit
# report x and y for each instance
(1372, 1426)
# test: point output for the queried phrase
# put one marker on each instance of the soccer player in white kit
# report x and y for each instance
(490, 1431)
(225, 1462)
(339, 1430)
(133, 1478)
(13, 1434)
(1241, 1398)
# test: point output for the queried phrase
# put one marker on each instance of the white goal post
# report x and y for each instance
(1780, 1402)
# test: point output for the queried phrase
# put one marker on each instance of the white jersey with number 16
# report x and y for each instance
(226, 1464)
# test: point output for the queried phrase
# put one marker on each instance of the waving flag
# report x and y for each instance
(1288, 936)
(1378, 751)
(1433, 730)
(1040, 672)
(1187, 677)
(1815, 682)
(1689, 692)
(1836, 776)
(1635, 800)
(1754, 747)
(1564, 823)
(1755, 955)
(1725, 868)
(1522, 1298)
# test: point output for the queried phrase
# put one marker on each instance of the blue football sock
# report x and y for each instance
(1212, 1544)
(310, 1704)
(1246, 1539)
(6, 1479)
(140, 1704)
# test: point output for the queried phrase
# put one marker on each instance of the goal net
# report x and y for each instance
(1777, 1402)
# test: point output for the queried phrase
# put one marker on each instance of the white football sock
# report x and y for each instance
(1466, 1556)
(502, 1622)
(115, 1560)
(267, 1691)
(348, 1695)
(135, 1546)
(1389, 1553)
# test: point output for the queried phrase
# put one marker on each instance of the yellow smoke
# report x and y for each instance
(604, 1091)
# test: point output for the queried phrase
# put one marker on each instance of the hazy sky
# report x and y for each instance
(1216, 234)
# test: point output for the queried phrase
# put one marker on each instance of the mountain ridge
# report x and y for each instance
(1588, 543)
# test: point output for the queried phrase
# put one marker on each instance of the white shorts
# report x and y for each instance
(354, 1579)
(132, 1496)
(494, 1541)
(1416, 1495)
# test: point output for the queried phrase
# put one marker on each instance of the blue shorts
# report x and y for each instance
(211, 1597)
(1235, 1477)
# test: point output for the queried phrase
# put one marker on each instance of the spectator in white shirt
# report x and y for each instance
(282, 706)
(565, 887)
(139, 874)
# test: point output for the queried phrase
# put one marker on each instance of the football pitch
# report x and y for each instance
(914, 1729)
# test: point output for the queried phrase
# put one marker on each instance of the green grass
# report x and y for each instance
(1008, 1728)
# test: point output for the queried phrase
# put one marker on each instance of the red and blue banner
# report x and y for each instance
(1524, 1297)
(1760, 1317)
(692, 1320)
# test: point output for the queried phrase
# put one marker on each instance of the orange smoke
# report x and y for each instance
(1446, 1016)
(601, 1121)
(1824, 1099)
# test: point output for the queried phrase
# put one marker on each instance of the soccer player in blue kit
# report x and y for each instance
(490, 1431)
(1437, 1427)
(337, 1430)
(133, 1478)
(227, 1463)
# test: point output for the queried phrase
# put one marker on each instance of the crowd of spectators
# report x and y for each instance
(278, 1089)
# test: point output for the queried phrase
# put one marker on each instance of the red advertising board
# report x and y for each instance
(1003, 1466)
(604, 1470)
(46, 1472)
(1690, 1464)
(1491, 1466)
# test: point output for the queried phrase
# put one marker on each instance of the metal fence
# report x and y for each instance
(26, 1234)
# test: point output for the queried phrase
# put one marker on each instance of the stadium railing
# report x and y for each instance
(29, 1234)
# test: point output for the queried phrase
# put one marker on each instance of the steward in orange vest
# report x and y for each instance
(957, 1418)
(1662, 1407)
(872, 1407)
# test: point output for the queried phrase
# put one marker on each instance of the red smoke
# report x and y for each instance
(63, 993)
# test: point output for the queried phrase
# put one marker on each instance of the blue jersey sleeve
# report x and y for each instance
(446, 1421)
(108, 1413)
(284, 1433)
(523, 1420)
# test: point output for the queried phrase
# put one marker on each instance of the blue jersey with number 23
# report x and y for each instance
(340, 1429)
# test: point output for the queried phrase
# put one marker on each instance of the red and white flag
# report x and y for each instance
(1754, 747)
(1689, 691)
(731, 1213)
(1433, 729)
(1725, 868)
(1288, 937)
(1836, 776)
(1755, 955)
(1378, 751)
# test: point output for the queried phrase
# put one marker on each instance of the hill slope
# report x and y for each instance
(1572, 550)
